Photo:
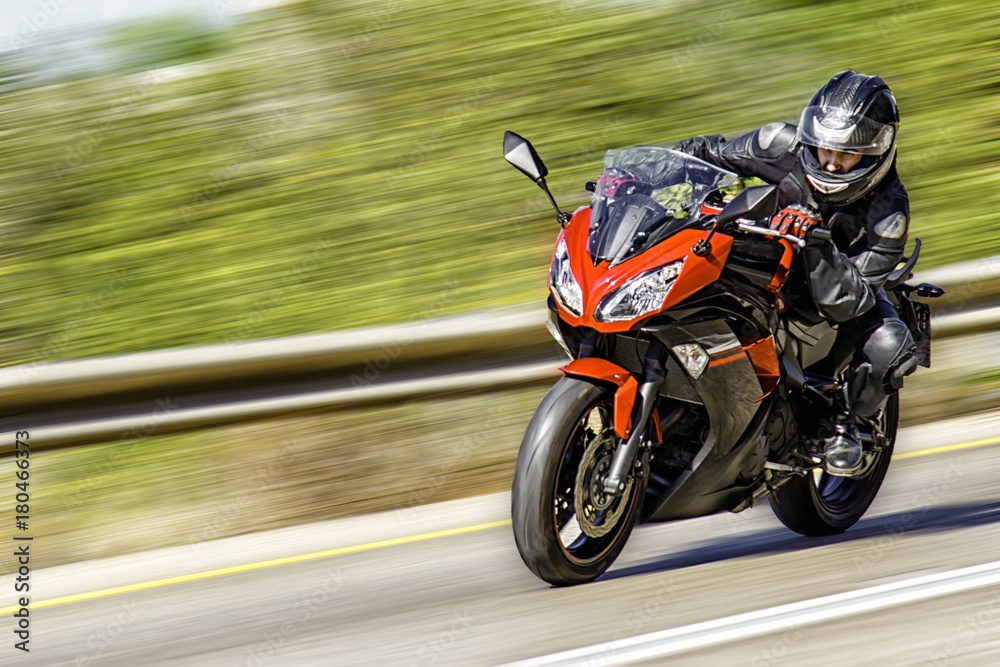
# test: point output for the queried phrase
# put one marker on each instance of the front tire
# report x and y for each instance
(566, 447)
(822, 504)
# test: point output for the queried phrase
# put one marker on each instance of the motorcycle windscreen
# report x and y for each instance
(646, 194)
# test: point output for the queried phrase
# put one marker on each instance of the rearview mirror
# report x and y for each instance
(756, 203)
(519, 152)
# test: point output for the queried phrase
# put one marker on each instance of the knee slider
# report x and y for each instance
(896, 374)
(892, 353)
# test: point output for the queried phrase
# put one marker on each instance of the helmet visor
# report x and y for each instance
(841, 129)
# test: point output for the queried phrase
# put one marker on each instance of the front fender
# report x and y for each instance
(603, 370)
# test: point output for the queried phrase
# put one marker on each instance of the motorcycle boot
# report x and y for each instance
(843, 455)
(889, 355)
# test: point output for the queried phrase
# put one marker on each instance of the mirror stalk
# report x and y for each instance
(561, 216)
(521, 154)
(704, 246)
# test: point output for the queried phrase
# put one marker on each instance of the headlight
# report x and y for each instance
(643, 294)
(562, 282)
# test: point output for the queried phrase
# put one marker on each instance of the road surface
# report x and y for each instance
(443, 585)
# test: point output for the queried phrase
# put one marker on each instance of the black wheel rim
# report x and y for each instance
(578, 547)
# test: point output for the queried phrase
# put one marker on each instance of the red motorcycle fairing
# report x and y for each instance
(784, 266)
(596, 282)
(763, 357)
(737, 391)
(603, 370)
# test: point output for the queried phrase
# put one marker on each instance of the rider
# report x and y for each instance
(839, 166)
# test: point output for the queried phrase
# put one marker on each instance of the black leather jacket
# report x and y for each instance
(869, 235)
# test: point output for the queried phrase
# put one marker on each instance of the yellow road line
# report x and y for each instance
(946, 448)
(342, 551)
(256, 566)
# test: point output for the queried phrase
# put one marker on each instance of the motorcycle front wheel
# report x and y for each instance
(822, 504)
(566, 529)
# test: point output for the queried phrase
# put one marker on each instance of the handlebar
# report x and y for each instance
(814, 234)
(820, 234)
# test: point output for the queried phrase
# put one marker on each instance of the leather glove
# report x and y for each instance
(698, 145)
(796, 220)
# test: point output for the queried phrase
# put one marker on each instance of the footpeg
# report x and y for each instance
(781, 467)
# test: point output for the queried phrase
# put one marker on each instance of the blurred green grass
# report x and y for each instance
(327, 165)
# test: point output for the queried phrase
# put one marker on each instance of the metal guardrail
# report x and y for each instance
(173, 416)
(133, 396)
(121, 398)
(366, 353)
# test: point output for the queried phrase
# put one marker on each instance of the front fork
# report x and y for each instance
(634, 402)
(653, 378)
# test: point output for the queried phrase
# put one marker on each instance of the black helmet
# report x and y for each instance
(853, 113)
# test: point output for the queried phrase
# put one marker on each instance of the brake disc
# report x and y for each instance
(598, 512)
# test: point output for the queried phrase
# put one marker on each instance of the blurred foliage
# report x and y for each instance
(325, 165)
(167, 41)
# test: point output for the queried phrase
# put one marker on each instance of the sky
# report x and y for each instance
(24, 21)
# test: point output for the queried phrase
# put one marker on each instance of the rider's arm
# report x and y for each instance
(767, 153)
(844, 287)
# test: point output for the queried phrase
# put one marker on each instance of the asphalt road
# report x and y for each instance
(444, 585)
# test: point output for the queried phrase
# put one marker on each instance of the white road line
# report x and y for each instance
(775, 619)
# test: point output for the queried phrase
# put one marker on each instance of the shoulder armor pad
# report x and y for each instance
(887, 217)
(892, 227)
(774, 139)
(889, 233)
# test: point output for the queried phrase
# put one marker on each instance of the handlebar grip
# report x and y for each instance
(820, 234)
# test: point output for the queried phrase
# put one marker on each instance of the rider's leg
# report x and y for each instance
(886, 355)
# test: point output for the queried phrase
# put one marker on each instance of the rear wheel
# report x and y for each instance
(567, 530)
(823, 504)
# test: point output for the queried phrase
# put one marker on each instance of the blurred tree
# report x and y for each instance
(13, 71)
(168, 40)
(335, 163)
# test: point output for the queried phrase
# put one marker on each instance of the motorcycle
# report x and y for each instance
(694, 386)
